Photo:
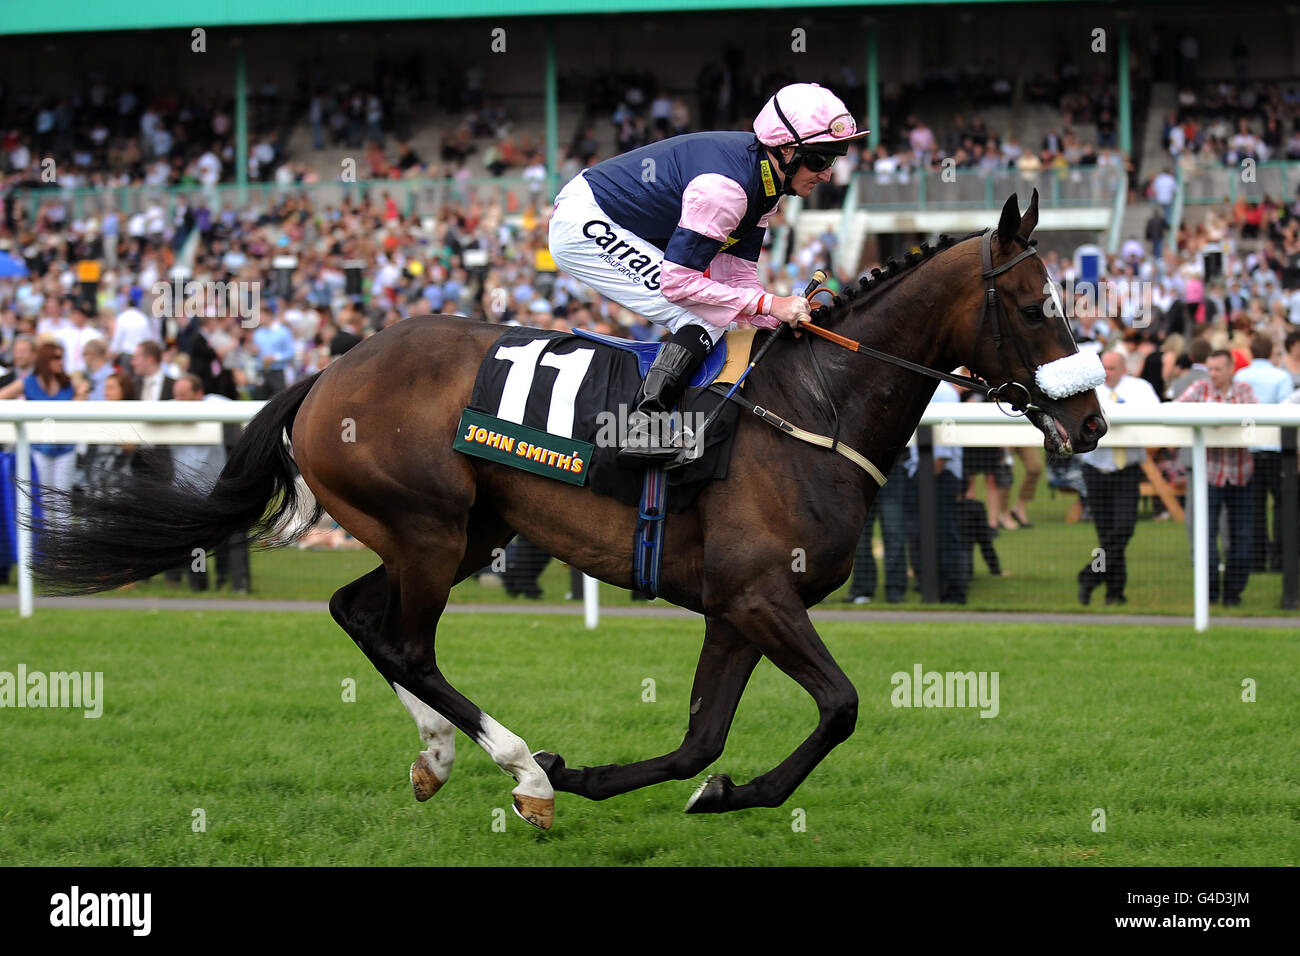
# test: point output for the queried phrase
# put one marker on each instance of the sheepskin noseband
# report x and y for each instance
(1070, 375)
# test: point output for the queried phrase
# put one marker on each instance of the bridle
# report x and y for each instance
(1056, 379)
(992, 311)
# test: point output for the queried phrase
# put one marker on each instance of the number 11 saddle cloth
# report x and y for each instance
(557, 394)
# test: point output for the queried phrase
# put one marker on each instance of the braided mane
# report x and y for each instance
(874, 282)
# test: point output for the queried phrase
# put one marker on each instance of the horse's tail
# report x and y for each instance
(146, 524)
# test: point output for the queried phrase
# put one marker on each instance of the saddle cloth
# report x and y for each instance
(582, 387)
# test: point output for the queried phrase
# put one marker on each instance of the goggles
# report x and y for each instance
(817, 162)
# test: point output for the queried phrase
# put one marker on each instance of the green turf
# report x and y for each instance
(242, 715)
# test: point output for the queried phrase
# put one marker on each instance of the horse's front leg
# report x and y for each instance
(782, 629)
(726, 662)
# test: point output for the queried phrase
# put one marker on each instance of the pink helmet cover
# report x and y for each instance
(817, 115)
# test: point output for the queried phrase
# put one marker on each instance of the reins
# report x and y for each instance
(991, 308)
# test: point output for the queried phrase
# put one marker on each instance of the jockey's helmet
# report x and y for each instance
(810, 118)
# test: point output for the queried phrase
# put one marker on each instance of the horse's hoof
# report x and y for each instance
(539, 811)
(550, 763)
(424, 782)
(711, 795)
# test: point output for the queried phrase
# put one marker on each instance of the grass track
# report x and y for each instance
(242, 715)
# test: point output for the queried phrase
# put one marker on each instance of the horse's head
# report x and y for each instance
(1018, 338)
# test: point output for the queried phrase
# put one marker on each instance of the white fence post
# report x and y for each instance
(1201, 556)
(591, 601)
(23, 472)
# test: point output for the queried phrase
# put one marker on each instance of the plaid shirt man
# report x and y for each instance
(1224, 466)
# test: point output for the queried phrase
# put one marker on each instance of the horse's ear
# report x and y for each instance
(1030, 219)
(1009, 224)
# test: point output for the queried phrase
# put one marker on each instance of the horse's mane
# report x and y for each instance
(877, 280)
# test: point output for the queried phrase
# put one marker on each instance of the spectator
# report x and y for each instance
(98, 368)
(106, 465)
(273, 345)
(75, 336)
(1157, 228)
(1291, 356)
(151, 383)
(1112, 476)
(972, 519)
(993, 464)
(1163, 189)
(1271, 386)
(1198, 353)
(198, 467)
(524, 565)
(947, 488)
(892, 506)
(1031, 457)
(130, 329)
(889, 506)
(24, 358)
(1228, 474)
(48, 383)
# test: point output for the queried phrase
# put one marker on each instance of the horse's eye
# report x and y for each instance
(1034, 313)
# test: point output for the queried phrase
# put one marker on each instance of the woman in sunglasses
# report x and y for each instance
(673, 232)
(48, 383)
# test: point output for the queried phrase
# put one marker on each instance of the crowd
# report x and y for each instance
(363, 264)
(108, 134)
(1211, 316)
(969, 145)
(1224, 122)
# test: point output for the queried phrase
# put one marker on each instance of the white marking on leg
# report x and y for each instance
(437, 732)
(511, 754)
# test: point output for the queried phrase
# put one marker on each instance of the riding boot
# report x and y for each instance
(647, 443)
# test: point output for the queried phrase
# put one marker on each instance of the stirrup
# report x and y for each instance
(641, 445)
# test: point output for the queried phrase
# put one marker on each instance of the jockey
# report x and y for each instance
(673, 232)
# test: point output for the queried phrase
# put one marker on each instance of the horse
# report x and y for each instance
(371, 436)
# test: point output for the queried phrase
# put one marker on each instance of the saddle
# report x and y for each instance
(731, 352)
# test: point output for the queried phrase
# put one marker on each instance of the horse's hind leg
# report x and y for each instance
(433, 766)
(359, 609)
(400, 643)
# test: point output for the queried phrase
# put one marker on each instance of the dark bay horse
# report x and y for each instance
(372, 437)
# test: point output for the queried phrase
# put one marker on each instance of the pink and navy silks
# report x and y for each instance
(695, 196)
